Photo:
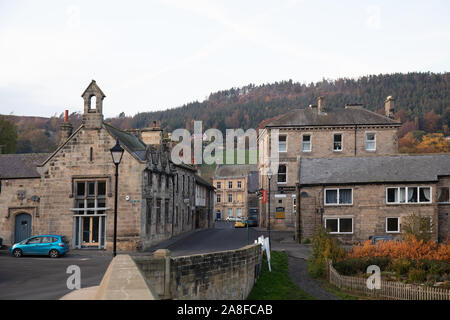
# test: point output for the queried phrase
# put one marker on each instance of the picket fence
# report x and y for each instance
(389, 289)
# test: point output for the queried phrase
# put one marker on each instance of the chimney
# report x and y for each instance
(389, 107)
(320, 105)
(65, 129)
(152, 136)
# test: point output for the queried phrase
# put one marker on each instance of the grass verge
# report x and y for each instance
(277, 285)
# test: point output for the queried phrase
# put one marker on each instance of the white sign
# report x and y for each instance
(265, 245)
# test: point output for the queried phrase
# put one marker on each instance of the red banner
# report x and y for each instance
(264, 196)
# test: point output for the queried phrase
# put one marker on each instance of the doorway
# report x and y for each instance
(22, 227)
(90, 231)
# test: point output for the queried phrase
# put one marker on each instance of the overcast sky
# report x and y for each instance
(154, 55)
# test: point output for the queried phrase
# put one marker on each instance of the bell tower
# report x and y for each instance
(93, 106)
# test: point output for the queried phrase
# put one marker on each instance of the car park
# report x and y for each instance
(51, 245)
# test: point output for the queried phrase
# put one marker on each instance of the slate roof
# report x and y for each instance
(203, 182)
(133, 144)
(350, 115)
(376, 169)
(234, 170)
(21, 165)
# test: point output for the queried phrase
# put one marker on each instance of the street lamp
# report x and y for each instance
(116, 153)
(269, 176)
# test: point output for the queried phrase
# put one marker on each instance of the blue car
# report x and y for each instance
(48, 245)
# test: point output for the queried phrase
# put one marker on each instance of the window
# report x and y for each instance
(339, 225)
(294, 203)
(239, 184)
(337, 142)
(166, 210)
(370, 142)
(239, 197)
(282, 146)
(408, 195)
(230, 197)
(239, 212)
(167, 182)
(230, 212)
(392, 225)
(282, 172)
(219, 198)
(306, 143)
(90, 197)
(443, 195)
(158, 215)
(230, 185)
(338, 196)
(219, 185)
(34, 240)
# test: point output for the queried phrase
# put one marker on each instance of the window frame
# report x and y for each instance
(438, 195)
(342, 141)
(406, 195)
(239, 184)
(374, 141)
(285, 143)
(286, 174)
(310, 142)
(337, 195)
(338, 218)
(398, 225)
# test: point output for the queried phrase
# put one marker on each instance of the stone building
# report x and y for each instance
(204, 203)
(317, 132)
(71, 191)
(232, 194)
(358, 197)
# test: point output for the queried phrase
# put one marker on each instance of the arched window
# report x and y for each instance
(93, 103)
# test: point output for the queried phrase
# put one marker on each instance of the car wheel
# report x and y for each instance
(53, 253)
(17, 253)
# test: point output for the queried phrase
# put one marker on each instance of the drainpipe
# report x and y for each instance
(356, 126)
(173, 201)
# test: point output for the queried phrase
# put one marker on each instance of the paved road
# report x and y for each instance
(223, 237)
(45, 278)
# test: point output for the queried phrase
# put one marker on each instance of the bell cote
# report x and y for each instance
(93, 106)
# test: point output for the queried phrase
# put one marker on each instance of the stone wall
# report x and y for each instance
(16, 197)
(369, 211)
(210, 276)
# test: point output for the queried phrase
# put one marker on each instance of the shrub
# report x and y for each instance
(324, 247)
(418, 226)
(417, 275)
(359, 265)
(307, 241)
(410, 248)
(401, 266)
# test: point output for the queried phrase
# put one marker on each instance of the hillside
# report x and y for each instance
(422, 104)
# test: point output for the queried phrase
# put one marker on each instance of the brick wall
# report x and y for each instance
(210, 276)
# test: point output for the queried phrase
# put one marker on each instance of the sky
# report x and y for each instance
(159, 54)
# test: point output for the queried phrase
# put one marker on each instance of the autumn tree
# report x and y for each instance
(433, 143)
(431, 122)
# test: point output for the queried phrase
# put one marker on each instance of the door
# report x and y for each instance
(90, 231)
(22, 227)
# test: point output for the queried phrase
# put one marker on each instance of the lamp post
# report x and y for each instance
(269, 176)
(116, 153)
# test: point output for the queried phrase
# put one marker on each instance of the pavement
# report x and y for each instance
(45, 278)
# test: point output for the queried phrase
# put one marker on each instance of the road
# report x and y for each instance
(45, 278)
(223, 237)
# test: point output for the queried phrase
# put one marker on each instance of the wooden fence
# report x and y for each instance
(389, 289)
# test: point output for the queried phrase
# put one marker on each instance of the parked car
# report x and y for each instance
(51, 245)
(252, 221)
(230, 219)
(240, 223)
(375, 239)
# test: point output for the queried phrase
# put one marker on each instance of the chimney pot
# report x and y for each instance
(66, 116)
(320, 104)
